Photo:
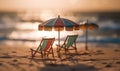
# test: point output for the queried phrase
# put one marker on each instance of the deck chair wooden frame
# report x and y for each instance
(69, 44)
(45, 48)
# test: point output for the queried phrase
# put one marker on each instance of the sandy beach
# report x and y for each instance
(98, 58)
(26, 24)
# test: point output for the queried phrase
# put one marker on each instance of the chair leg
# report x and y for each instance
(53, 54)
(50, 53)
(33, 53)
(58, 53)
(47, 55)
(41, 54)
(75, 49)
(65, 50)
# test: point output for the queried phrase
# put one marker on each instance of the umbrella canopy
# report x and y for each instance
(59, 24)
(90, 26)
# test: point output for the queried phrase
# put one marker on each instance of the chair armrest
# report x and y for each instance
(63, 45)
(33, 49)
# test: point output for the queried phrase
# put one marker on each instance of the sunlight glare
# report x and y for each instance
(31, 32)
(27, 25)
(47, 14)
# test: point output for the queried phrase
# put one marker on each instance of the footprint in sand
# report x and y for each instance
(104, 63)
(6, 56)
(5, 53)
(118, 62)
(99, 52)
(14, 52)
(117, 50)
(1, 64)
(108, 65)
(15, 60)
(31, 64)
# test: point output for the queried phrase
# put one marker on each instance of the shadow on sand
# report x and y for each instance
(63, 67)
(66, 64)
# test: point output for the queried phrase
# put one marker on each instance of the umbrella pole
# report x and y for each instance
(58, 48)
(86, 47)
(59, 36)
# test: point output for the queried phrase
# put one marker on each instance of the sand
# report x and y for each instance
(98, 58)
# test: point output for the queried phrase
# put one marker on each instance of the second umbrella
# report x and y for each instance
(86, 26)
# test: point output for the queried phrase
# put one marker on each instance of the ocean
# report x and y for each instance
(27, 34)
(14, 32)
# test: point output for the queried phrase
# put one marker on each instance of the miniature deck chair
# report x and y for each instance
(44, 48)
(70, 41)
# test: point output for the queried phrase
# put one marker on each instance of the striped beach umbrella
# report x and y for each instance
(58, 24)
(88, 26)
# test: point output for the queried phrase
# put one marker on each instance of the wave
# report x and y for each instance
(105, 40)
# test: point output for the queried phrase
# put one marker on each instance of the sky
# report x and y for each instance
(62, 5)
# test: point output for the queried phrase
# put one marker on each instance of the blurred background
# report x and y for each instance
(19, 20)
